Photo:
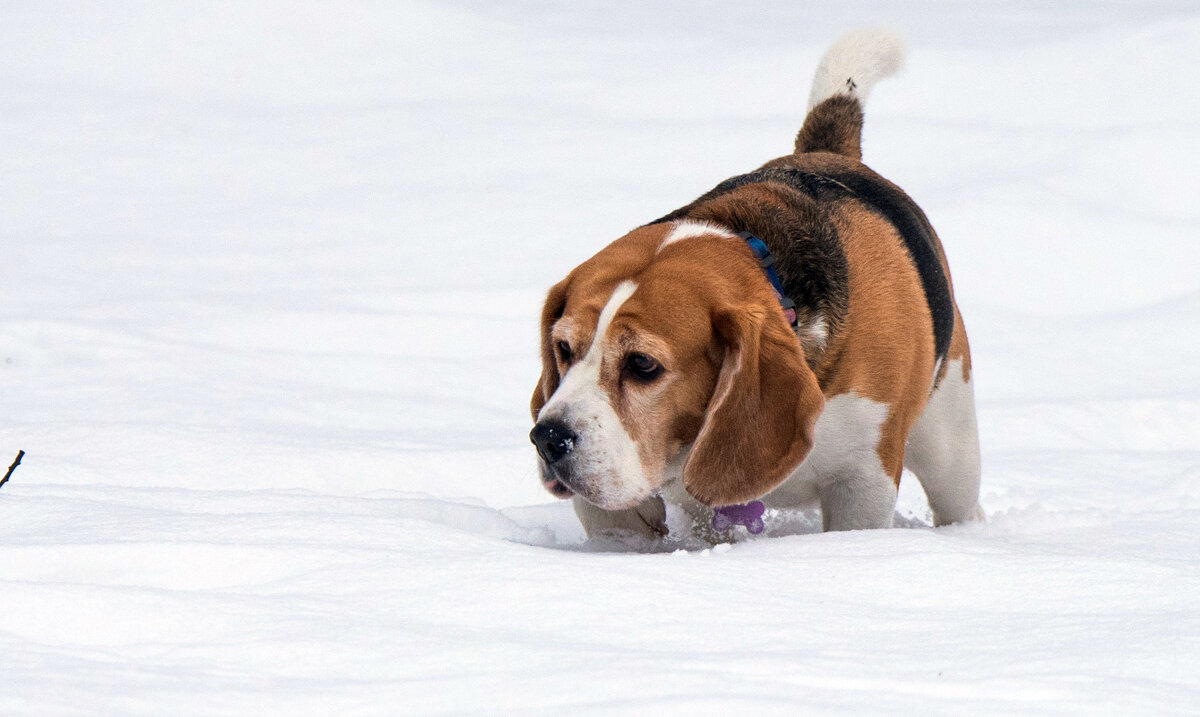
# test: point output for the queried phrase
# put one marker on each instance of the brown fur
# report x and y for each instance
(887, 353)
(759, 425)
(739, 385)
(796, 226)
(834, 125)
(736, 385)
(883, 354)
(960, 348)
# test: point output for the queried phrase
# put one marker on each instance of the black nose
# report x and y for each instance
(553, 440)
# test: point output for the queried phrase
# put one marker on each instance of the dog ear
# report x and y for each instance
(759, 422)
(552, 310)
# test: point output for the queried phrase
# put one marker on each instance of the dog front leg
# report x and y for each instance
(647, 520)
(858, 499)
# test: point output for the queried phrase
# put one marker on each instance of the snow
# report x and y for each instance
(267, 329)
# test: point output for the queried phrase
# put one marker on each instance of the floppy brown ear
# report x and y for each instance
(552, 310)
(759, 423)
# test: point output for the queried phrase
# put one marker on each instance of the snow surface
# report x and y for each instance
(267, 330)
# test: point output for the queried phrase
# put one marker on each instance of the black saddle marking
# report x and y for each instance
(895, 206)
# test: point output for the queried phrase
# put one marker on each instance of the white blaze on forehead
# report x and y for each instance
(585, 374)
(619, 296)
(605, 458)
(688, 228)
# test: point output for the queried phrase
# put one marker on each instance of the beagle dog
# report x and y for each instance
(790, 336)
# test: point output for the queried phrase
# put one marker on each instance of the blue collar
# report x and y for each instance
(767, 261)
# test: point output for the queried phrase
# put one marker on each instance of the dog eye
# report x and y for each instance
(564, 351)
(642, 367)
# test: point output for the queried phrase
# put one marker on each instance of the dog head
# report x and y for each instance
(669, 342)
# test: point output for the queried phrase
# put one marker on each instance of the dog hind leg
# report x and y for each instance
(943, 449)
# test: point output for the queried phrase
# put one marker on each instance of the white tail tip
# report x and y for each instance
(855, 62)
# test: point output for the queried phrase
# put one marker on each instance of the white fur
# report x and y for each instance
(645, 521)
(843, 468)
(842, 471)
(604, 457)
(817, 331)
(854, 63)
(688, 228)
(943, 450)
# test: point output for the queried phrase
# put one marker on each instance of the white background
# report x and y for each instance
(268, 300)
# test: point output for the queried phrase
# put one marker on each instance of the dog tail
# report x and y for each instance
(850, 68)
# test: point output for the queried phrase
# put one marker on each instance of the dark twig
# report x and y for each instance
(13, 467)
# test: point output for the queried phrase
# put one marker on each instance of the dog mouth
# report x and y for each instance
(557, 488)
(561, 489)
(562, 482)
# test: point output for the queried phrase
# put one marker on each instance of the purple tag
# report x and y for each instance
(747, 514)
